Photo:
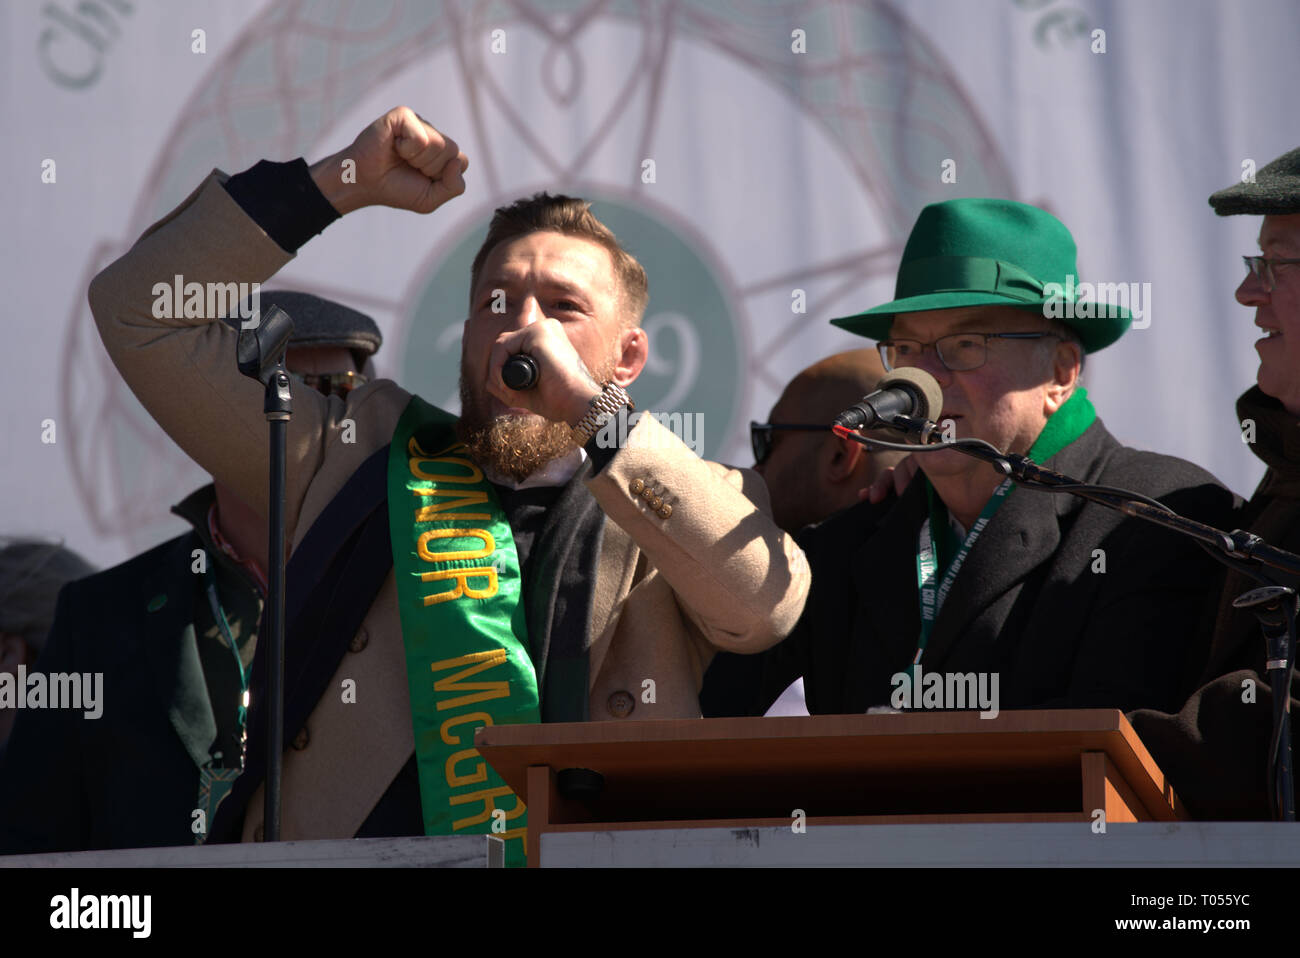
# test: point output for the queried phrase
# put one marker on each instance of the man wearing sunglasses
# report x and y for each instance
(1059, 603)
(1215, 748)
(809, 472)
(174, 631)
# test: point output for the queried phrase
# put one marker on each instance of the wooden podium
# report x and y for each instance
(1030, 766)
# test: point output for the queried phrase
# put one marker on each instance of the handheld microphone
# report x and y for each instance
(904, 392)
(520, 372)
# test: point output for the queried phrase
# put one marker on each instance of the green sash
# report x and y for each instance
(1066, 425)
(459, 592)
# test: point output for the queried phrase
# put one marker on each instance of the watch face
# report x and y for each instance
(764, 162)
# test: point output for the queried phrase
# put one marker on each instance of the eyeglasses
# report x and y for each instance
(760, 435)
(958, 352)
(1262, 268)
(331, 384)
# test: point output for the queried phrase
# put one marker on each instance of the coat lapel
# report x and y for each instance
(615, 569)
(165, 606)
(1023, 535)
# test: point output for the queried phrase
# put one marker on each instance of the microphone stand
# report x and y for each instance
(261, 351)
(1275, 606)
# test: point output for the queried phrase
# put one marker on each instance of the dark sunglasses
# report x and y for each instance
(760, 435)
(331, 384)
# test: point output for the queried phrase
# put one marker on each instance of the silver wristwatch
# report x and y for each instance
(603, 408)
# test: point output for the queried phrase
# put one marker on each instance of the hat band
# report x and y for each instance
(966, 274)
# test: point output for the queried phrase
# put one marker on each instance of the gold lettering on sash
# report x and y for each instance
(488, 797)
(478, 775)
(474, 663)
(454, 720)
(463, 588)
(489, 544)
(429, 513)
(472, 474)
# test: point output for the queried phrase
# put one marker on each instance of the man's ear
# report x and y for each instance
(630, 359)
(1067, 359)
(845, 456)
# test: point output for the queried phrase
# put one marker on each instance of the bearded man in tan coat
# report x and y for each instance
(629, 567)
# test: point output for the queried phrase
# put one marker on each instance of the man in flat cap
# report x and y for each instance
(1044, 600)
(1215, 748)
(173, 631)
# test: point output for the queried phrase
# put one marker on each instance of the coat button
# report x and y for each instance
(301, 739)
(656, 503)
(359, 641)
(666, 511)
(259, 833)
(647, 494)
(636, 487)
(621, 704)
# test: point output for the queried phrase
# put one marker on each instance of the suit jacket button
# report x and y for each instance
(621, 704)
(359, 641)
(259, 833)
(647, 494)
(666, 511)
(656, 503)
(301, 739)
(636, 487)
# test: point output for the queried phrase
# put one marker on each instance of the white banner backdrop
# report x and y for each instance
(752, 154)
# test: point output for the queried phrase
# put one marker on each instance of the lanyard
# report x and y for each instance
(224, 626)
(1066, 425)
(927, 565)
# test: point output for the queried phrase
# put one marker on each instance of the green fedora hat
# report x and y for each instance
(988, 252)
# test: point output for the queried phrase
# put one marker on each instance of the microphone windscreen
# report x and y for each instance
(520, 372)
(922, 384)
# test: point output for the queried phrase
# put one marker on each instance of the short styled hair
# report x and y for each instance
(570, 216)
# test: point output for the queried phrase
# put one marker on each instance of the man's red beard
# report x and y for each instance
(512, 445)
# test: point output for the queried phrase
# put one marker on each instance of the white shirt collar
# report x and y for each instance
(557, 472)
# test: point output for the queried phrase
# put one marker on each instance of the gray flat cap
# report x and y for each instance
(1275, 192)
(323, 322)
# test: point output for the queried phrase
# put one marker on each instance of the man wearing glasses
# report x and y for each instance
(1215, 749)
(174, 632)
(1066, 605)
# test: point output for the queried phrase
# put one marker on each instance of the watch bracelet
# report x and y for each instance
(602, 408)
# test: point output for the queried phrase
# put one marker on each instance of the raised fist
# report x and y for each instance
(400, 161)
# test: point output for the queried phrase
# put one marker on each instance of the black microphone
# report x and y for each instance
(520, 372)
(904, 392)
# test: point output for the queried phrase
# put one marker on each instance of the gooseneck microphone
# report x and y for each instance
(520, 372)
(908, 392)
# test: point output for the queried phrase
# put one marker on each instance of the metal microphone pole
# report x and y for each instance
(261, 357)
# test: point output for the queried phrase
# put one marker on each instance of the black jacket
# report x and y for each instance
(131, 777)
(1027, 604)
(1215, 748)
